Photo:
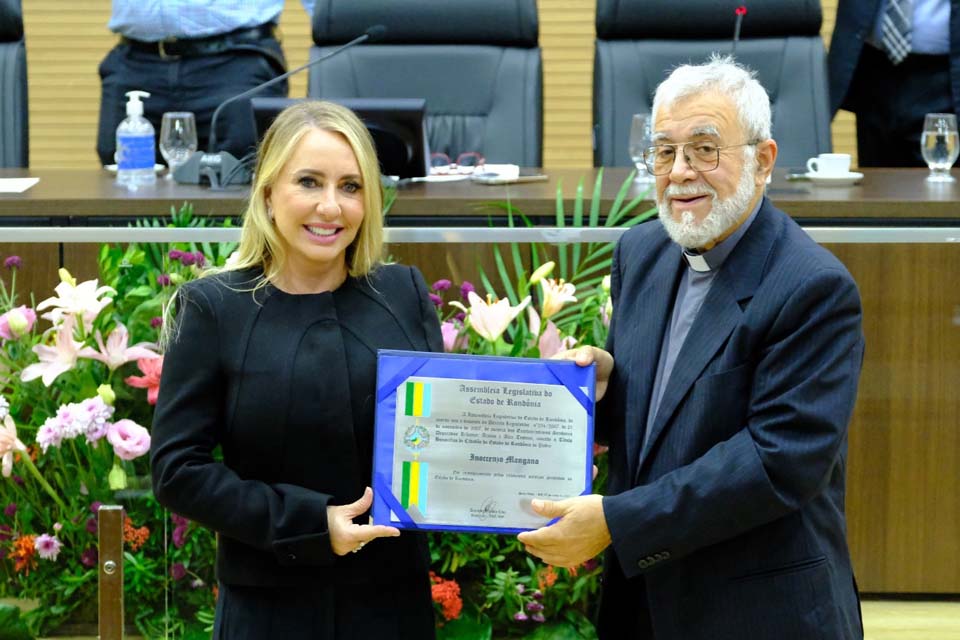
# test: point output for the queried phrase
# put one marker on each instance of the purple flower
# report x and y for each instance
(18, 480)
(538, 617)
(591, 564)
(92, 526)
(89, 557)
(436, 300)
(156, 322)
(441, 285)
(187, 258)
(47, 546)
(163, 280)
(466, 288)
(95, 507)
(200, 258)
(13, 262)
(180, 536)
(461, 316)
(10, 510)
(178, 571)
(534, 606)
(520, 616)
(175, 254)
(538, 594)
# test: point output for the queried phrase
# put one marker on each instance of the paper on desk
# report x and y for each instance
(17, 185)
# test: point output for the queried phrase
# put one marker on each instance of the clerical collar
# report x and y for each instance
(714, 258)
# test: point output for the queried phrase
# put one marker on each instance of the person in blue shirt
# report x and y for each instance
(891, 87)
(191, 56)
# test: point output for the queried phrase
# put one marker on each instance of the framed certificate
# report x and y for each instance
(464, 443)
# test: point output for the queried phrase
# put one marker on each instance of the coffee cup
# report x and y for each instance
(830, 164)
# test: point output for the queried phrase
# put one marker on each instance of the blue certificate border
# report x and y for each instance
(395, 367)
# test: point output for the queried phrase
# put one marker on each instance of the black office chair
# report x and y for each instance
(477, 64)
(14, 130)
(640, 42)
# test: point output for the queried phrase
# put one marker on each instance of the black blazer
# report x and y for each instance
(728, 520)
(285, 386)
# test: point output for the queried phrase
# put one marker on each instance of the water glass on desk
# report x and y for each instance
(178, 139)
(639, 142)
(939, 145)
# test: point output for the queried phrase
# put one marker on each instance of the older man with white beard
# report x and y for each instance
(730, 375)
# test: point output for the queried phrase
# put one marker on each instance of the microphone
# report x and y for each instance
(740, 12)
(221, 167)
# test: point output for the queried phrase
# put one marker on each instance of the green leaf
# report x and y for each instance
(466, 628)
(11, 626)
(556, 631)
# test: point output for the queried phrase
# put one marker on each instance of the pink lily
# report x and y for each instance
(453, 341)
(9, 444)
(556, 293)
(116, 352)
(61, 357)
(551, 342)
(83, 300)
(151, 368)
(490, 317)
(17, 322)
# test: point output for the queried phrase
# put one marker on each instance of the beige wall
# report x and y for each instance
(67, 40)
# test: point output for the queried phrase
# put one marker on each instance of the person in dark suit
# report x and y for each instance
(891, 96)
(273, 359)
(737, 345)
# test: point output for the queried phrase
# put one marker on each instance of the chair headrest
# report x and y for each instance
(510, 23)
(706, 19)
(11, 21)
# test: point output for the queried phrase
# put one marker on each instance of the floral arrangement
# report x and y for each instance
(80, 371)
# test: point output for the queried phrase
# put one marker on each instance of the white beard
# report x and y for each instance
(724, 214)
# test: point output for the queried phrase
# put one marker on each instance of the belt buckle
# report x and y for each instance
(161, 49)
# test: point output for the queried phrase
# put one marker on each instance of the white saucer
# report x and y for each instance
(835, 180)
(112, 168)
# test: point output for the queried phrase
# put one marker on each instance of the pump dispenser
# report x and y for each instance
(135, 145)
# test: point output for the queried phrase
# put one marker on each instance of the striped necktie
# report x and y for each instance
(896, 29)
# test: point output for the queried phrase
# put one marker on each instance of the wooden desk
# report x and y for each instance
(885, 194)
(903, 501)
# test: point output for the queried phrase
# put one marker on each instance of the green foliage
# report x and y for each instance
(11, 626)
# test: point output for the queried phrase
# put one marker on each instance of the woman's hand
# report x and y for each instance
(347, 536)
(584, 356)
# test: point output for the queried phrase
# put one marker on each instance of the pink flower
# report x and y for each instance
(47, 546)
(12, 262)
(9, 444)
(490, 318)
(89, 557)
(50, 434)
(551, 342)
(441, 285)
(151, 368)
(17, 322)
(59, 358)
(116, 352)
(84, 300)
(178, 571)
(453, 341)
(556, 293)
(129, 439)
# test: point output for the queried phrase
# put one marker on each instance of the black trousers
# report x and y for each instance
(891, 101)
(397, 610)
(197, 84)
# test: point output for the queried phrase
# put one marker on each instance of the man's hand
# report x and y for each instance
(583, 356)
(579, 535)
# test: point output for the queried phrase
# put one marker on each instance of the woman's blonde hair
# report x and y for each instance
(260, 244)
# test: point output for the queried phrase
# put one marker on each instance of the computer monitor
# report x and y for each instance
(396, 125)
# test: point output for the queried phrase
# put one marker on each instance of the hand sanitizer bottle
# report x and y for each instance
(135, 146)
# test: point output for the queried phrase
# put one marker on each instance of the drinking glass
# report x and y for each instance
(178, 139)
(639, 142)
(939, 145)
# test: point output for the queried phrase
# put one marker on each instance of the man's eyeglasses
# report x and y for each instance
(467, 162)
(700, 156)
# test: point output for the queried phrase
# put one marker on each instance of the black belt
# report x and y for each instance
(174, 48)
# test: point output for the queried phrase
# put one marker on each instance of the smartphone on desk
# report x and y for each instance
(526, 175)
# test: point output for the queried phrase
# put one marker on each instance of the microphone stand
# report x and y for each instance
(221, 167)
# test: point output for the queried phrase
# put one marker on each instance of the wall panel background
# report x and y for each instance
(67, 40)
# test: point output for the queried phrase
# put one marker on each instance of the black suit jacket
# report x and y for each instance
(285, 385)
(729, 521)
(854, 24)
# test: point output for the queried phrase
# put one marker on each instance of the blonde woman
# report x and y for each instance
(273, 359)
